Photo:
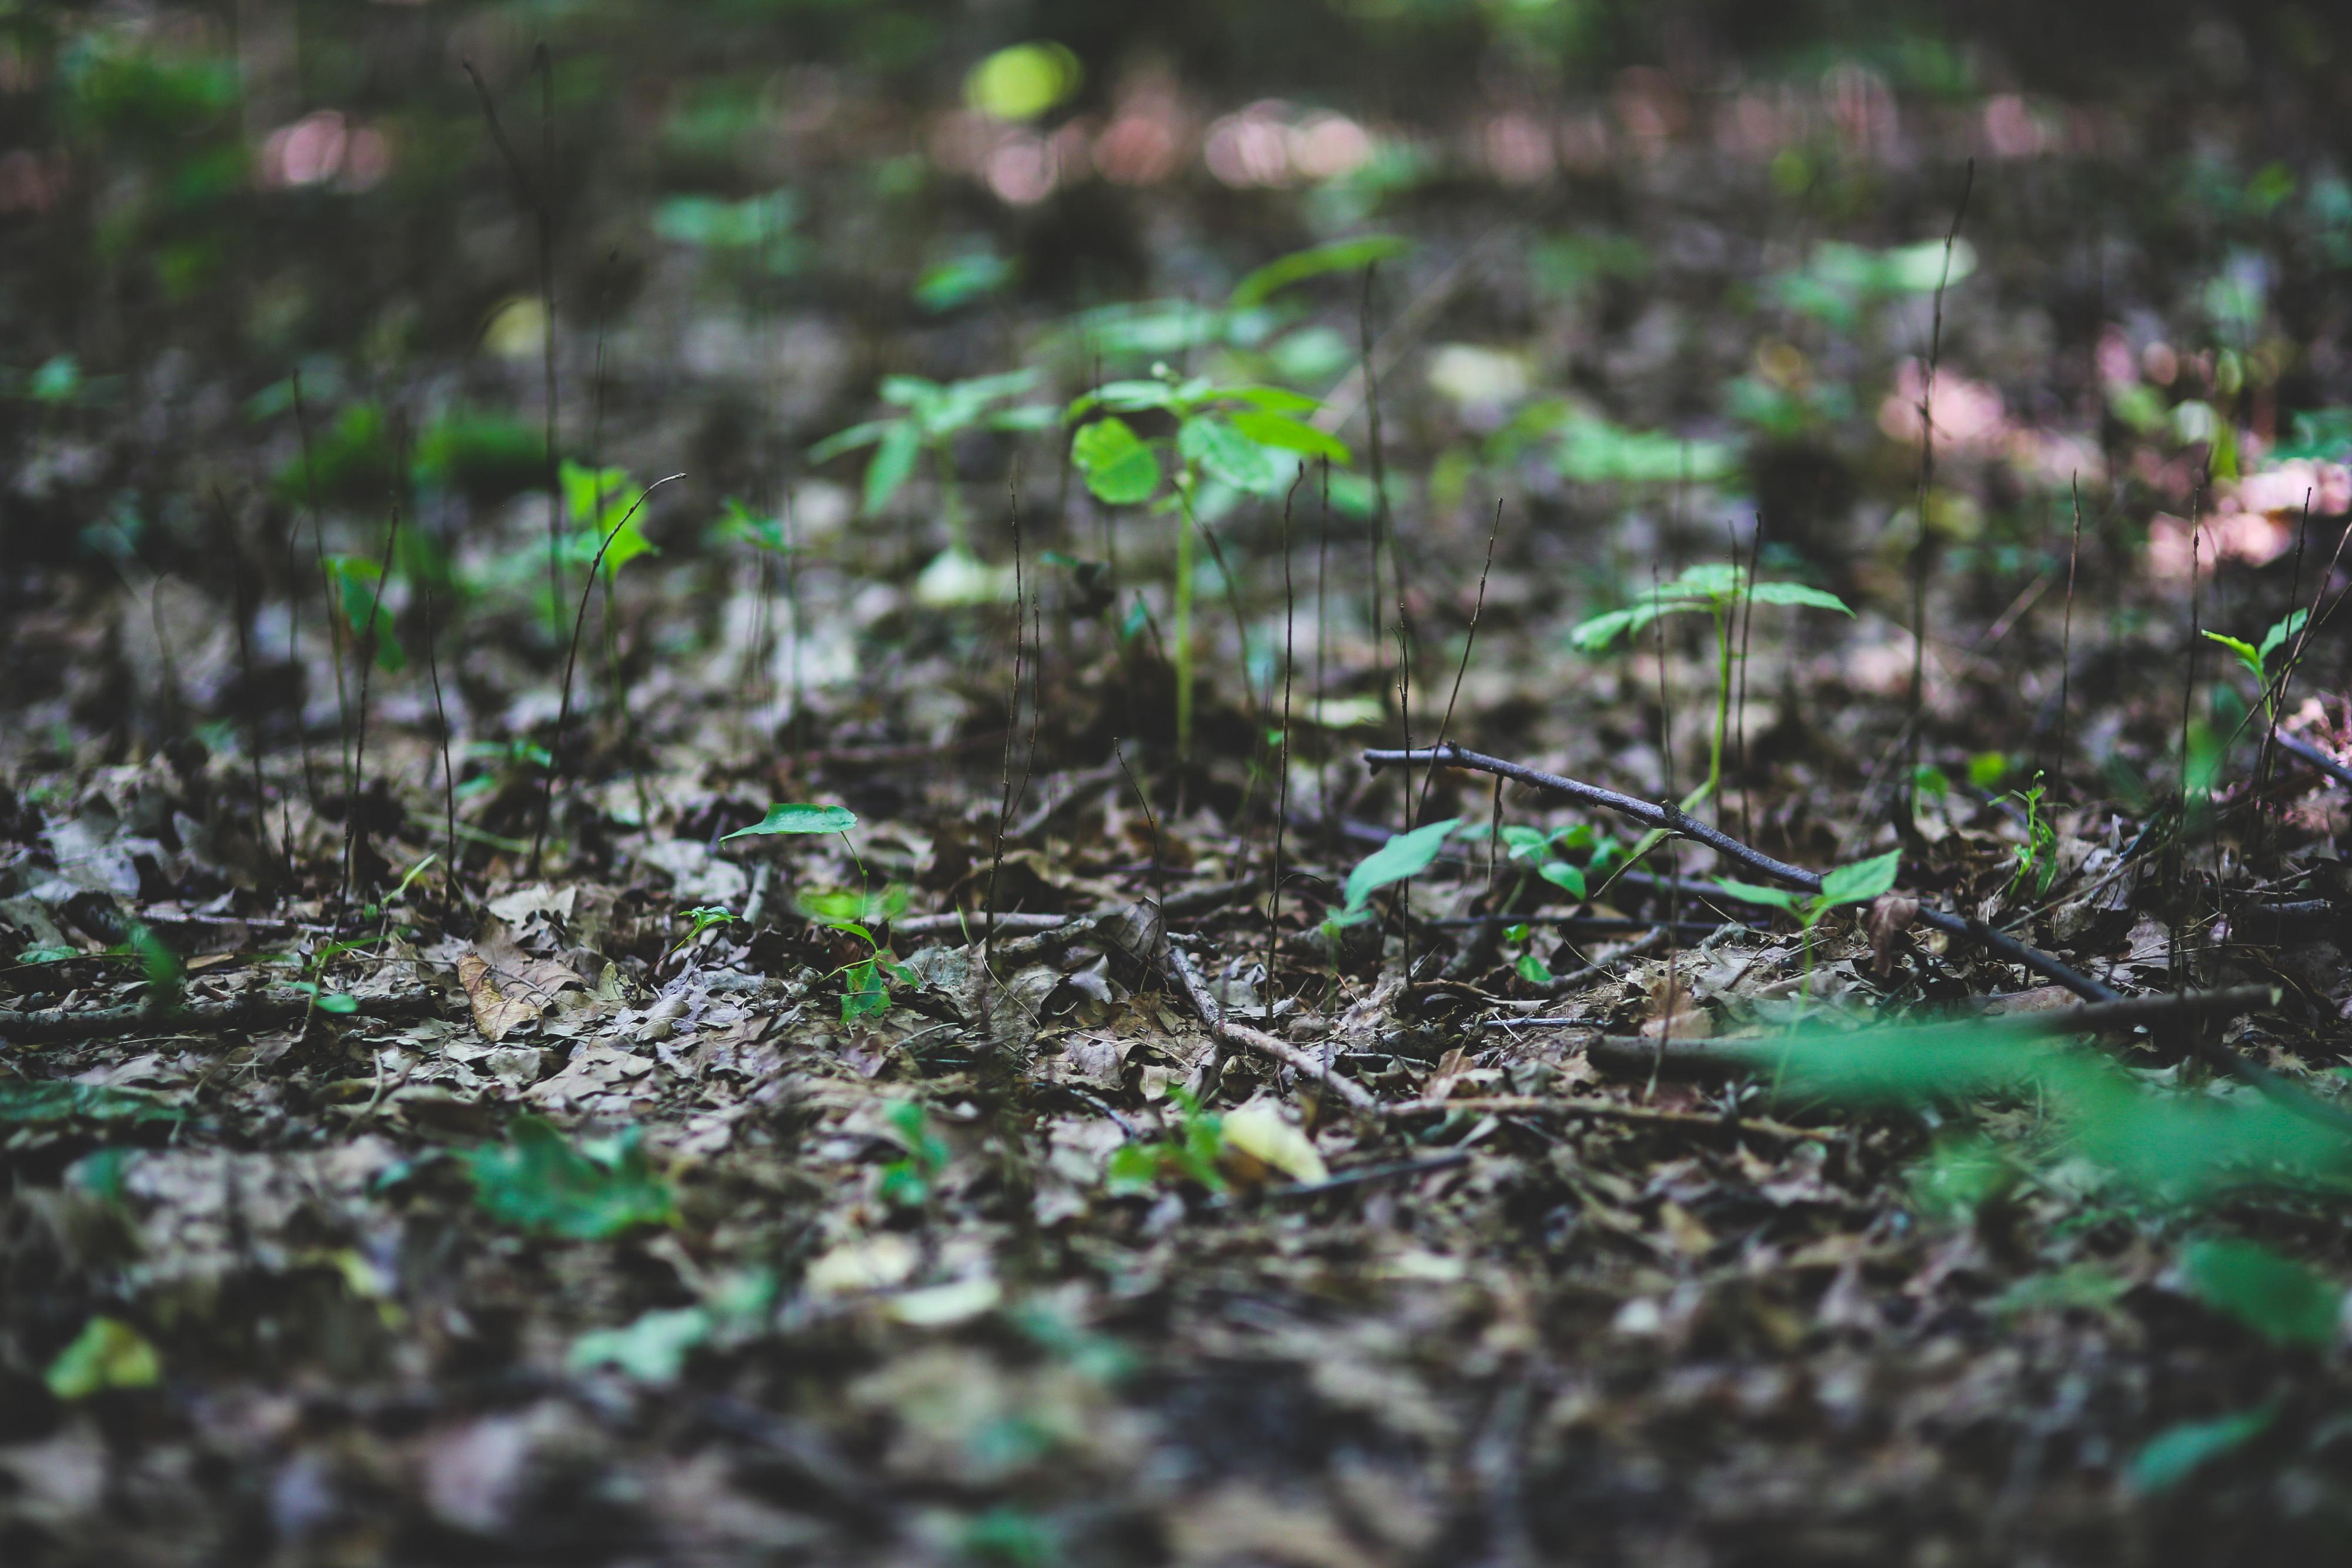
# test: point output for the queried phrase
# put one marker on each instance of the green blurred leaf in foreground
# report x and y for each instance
(539, 1181)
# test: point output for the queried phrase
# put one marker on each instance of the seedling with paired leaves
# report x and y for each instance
(1248, 438)
(2037, 857)
(702, 918)
(909, 1180)
(935, 414)
(1713, 589)
(1191, 1155)
(866, 983)
(2257, 658)
(1857, 884)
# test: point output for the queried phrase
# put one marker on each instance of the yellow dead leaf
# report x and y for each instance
(1260, 1131)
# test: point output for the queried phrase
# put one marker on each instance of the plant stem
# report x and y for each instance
(1183, 620)
(1722, 704)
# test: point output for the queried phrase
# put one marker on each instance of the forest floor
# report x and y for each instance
(794, 1057)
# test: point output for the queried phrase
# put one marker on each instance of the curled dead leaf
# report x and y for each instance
(507, 988)
(1891, 915)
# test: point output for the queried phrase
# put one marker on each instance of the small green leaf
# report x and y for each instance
(1532, 969)
(2248, 655)
(1798, 593)
(799, 817)
(2276, 1297)
(1339, 256)
(2180, 1451)
(1525, 843)
(1755, 893)
(1564, 876)
(1862, 881)
(1119, 468)
(865, 993)
(1287, 435)
(1404, 855)
(892, 465)
(652, 1350)
(1222, 452)
(107, 1353)
(2276, 637)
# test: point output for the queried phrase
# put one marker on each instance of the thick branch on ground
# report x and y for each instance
(2294, 746)
(1187, 979)
(1673, 818)
(274, 1009)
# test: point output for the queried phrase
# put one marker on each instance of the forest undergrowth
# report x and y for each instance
(1088, 818)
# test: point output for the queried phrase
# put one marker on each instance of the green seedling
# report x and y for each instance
(598, 501)
(1712, 590)
(359, 595)
(703, 918)
(1245, 439)
(866, 983)
(738, 524)
(2257, 659)
(1191, 1155)
(107, 1353)
(166, 975)
(1857, 884)
(2037, 857)
(935, 414)
(908, 1182)
(1404, 856)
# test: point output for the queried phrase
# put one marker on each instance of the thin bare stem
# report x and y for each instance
(1921, 546)
(571, 659)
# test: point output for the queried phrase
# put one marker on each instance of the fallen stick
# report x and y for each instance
(1187, 979)
(1604, 1110)
(1667, 817)
(274, 1009)
(954, 923)
(1736, 1053)
(2293, 745)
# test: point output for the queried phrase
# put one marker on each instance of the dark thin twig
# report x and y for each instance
(1919, 548)
(571, 658)
(441, 717)
(1282, 786)
(245, 665)
(1469, 642)
(327, 592)
(367, 647)
(2066, 635)
(1666, 815)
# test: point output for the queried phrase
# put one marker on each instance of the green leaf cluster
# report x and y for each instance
(935, 413)
(1191, 1155)
(1710, 588)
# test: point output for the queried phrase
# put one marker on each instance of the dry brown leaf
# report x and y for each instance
(1890, 917)
(506, 986)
